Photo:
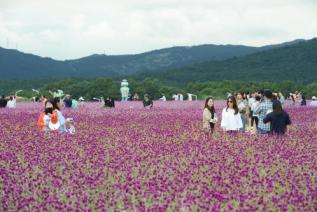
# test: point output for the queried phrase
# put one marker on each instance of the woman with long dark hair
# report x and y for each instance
(209, 115)
(279, 119)
(242, 104)
(45, 116)
(231, 119)
(58, 120)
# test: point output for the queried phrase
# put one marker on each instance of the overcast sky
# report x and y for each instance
(69, 29)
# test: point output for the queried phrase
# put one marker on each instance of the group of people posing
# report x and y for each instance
(262, 110)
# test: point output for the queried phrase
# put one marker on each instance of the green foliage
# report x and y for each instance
(108, 87)
(9, 87)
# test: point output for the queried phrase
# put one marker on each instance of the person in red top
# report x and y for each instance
(45, 116)
(48, 117)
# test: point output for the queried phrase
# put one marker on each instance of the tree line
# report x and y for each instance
(90, 88)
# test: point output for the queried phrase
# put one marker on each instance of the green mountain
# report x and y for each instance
(17, 65)
(293, 62)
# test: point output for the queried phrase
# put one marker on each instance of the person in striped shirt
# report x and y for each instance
(264, 108)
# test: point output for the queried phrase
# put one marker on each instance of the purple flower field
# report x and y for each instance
(134, 159)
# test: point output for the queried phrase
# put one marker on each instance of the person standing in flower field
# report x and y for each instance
(313, 103)
(255, 116)
(12, 102)
(281, 97)
(147, 102)
(279, 119)
(263, 109)
(242, 106)
(3, 101)
(209, 116)
(231, 119)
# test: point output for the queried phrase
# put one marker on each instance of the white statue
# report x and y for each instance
(59, 93)
(180, 97)
(190, 96)
(124, 90)
(163, 98)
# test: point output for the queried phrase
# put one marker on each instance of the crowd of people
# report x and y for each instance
(257, 111)
(261, 111)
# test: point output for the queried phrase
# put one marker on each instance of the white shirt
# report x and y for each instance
(253, 107)
(230, 121)
(190, 97)
(241, 106)
(163, 98)
(251, 101)
(313, 103)
(11, 104)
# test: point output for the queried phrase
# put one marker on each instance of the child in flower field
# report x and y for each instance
(209, 116)
(69, 126)
(279, 119)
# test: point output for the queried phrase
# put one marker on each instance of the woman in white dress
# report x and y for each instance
(11, 103)
(231, 119)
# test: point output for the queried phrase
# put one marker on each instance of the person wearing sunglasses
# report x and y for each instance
(231, 119)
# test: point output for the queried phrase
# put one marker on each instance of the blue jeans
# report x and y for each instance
(243, 119)
(261, 131)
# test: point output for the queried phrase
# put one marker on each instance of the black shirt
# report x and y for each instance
(278, 122)
(3, 102)
(148, 103)
(109, 103)
(68, 102)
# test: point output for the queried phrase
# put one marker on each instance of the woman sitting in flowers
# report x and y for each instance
(52, 119)
(231, 119)
(45, 116)
(209, 116)
(57, 120)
